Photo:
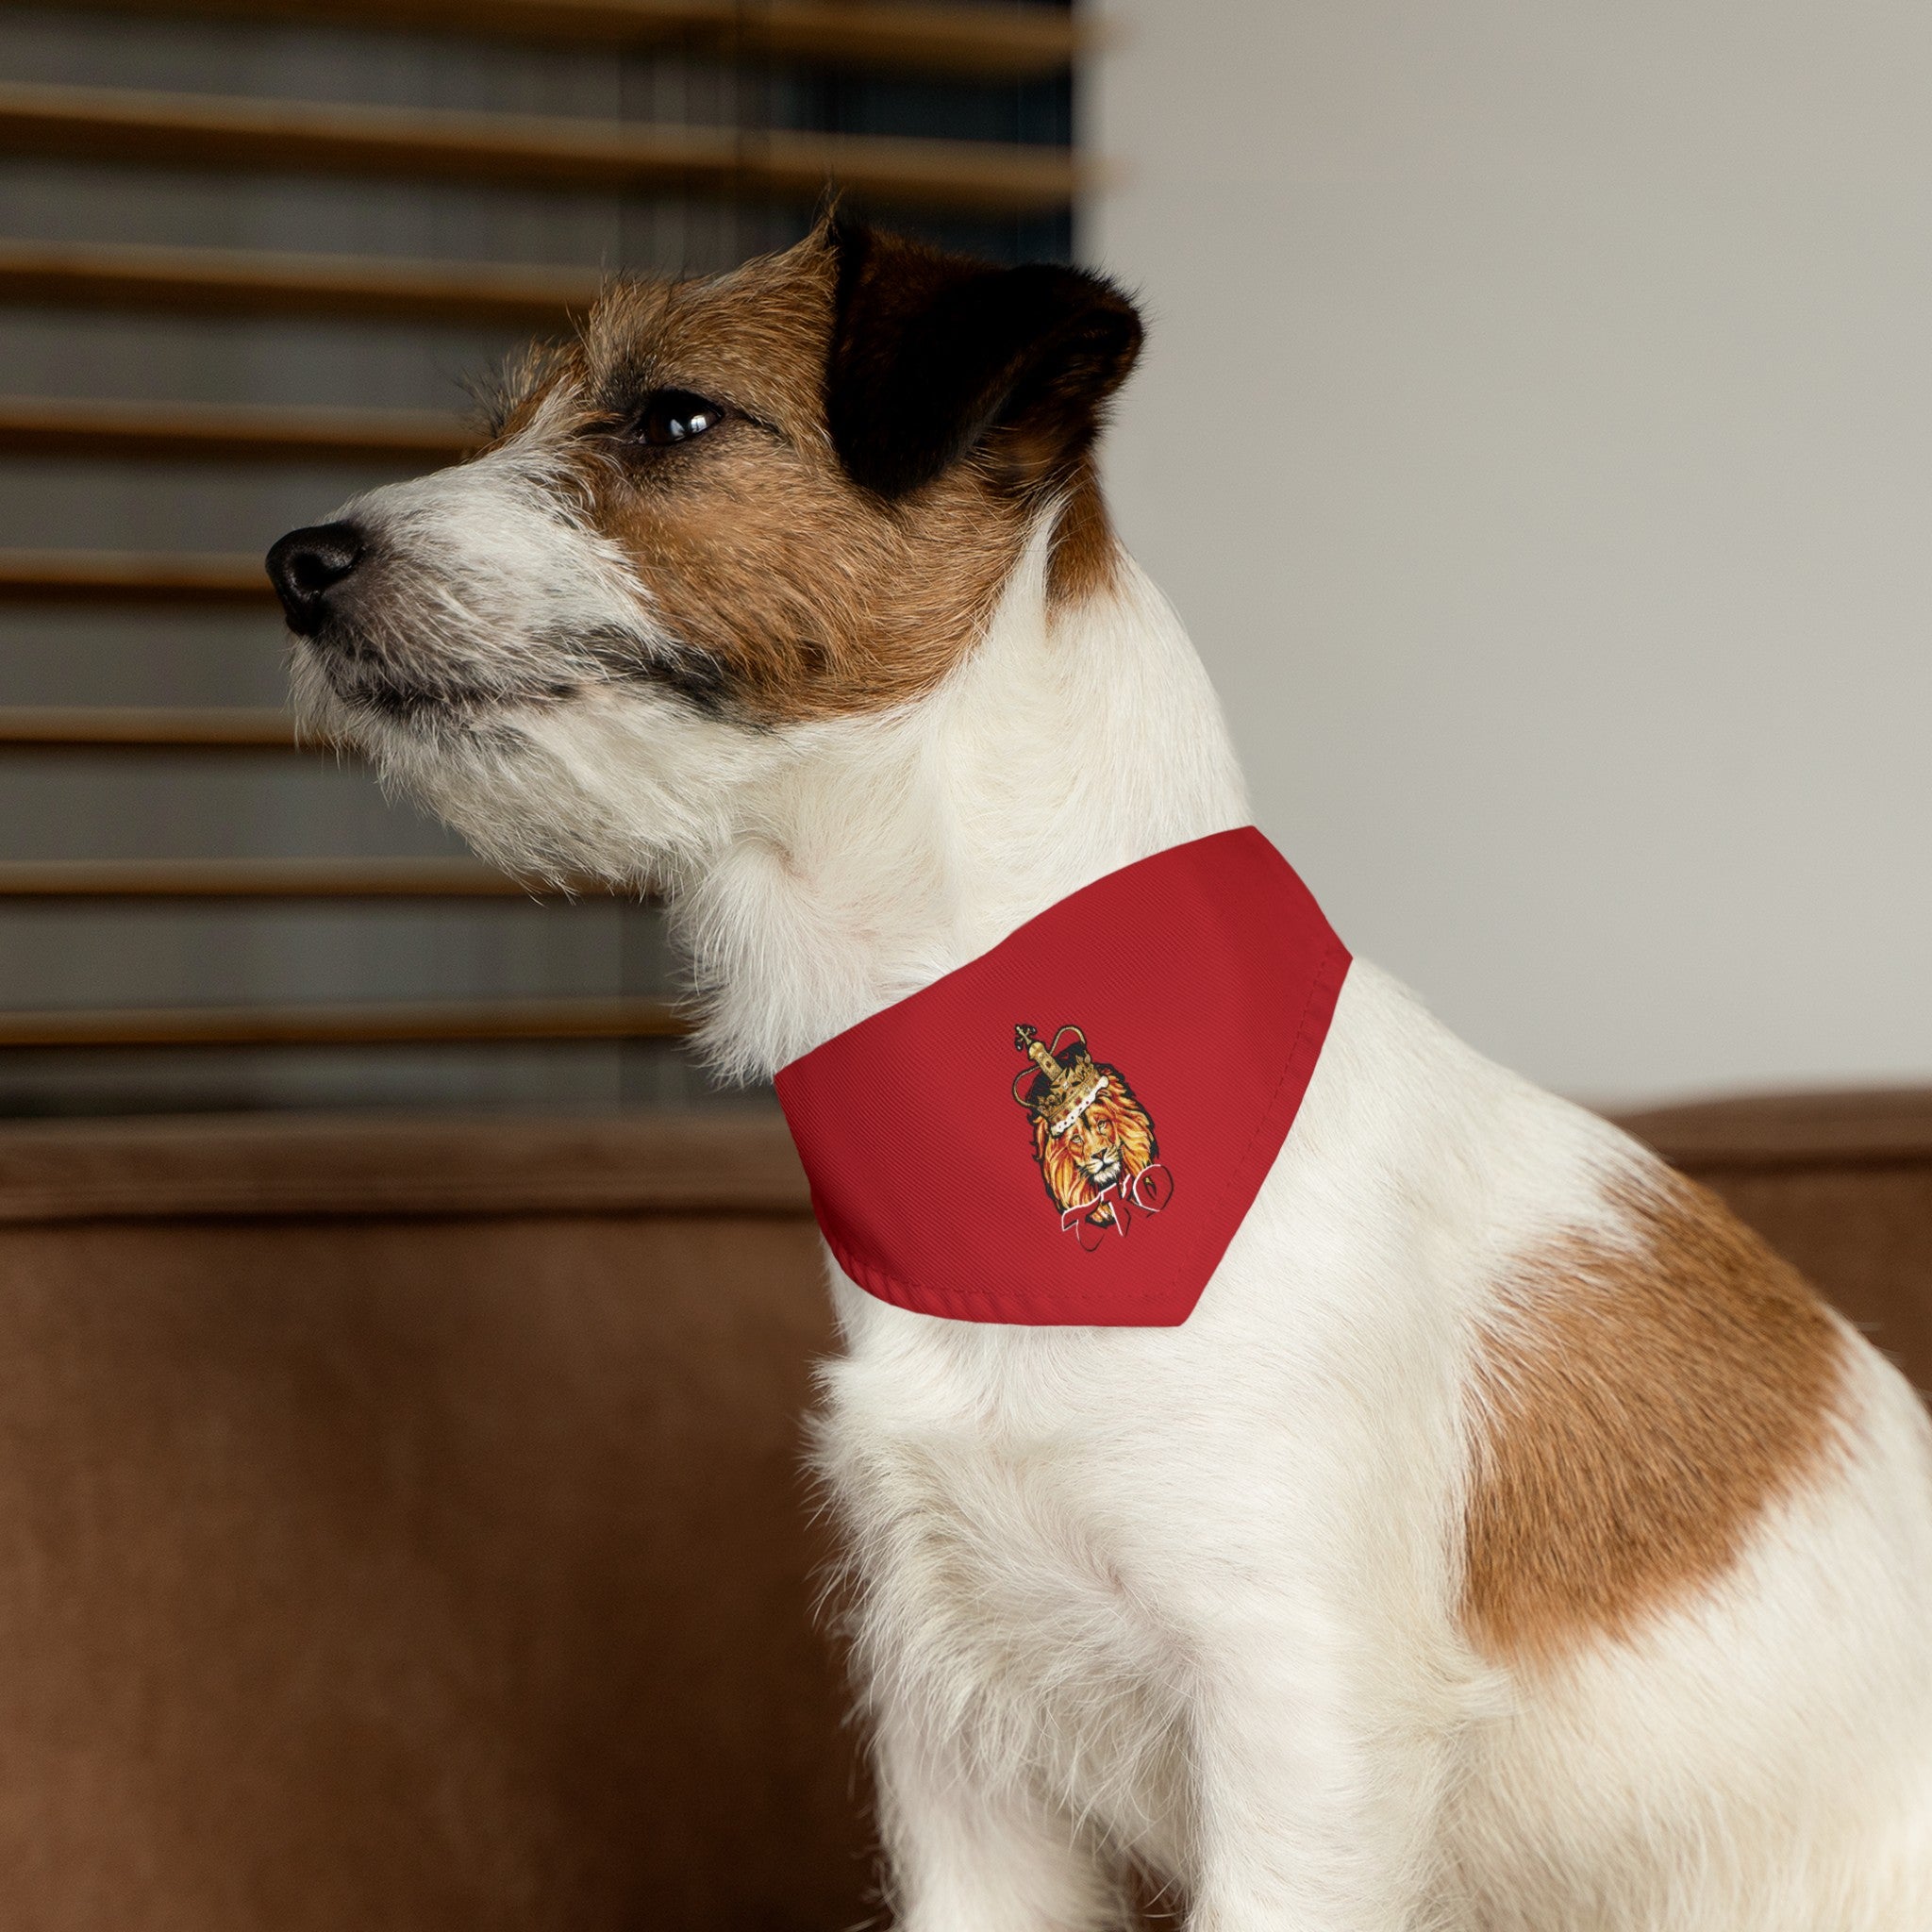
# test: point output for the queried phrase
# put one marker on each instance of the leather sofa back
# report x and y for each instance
(402, 1526)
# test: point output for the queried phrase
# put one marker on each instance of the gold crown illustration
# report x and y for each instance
(1065, 1084)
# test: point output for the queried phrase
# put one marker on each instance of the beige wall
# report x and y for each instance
(1536, 435)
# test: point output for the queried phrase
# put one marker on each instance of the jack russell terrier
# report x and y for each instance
(1442, 1518)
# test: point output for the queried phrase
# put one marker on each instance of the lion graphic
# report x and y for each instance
(1111, 1142)
(1093, 1141)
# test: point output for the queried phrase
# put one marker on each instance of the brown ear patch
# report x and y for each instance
(1638, 1409)
(934, 356)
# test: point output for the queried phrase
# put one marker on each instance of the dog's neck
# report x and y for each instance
(886, 852)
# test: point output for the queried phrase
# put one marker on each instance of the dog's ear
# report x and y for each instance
(933, 356)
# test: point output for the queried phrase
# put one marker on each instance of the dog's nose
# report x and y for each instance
(305, 565)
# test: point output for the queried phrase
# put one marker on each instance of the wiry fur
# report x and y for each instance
(1200, 1599)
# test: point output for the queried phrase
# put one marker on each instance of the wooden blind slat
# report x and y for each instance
(132, 576)
(237, 282)
(259, 878)
(1006, 43)
(115, 727)
(357, 1024)
(525, 150)
(34, 425)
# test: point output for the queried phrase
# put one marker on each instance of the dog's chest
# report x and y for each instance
(996, 1566)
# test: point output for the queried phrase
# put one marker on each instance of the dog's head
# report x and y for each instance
(732, 509)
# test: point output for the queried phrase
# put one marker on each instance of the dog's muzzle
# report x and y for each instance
(306, 566)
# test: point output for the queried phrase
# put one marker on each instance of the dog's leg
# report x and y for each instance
(1315, 1806)
(965, 1854)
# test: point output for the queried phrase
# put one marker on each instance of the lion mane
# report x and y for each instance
(1127, 1124)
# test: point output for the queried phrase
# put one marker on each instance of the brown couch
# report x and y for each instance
(401, 1525)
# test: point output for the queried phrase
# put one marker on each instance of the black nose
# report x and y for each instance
(305, 565)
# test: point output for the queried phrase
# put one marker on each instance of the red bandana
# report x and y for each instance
(1070, 1128)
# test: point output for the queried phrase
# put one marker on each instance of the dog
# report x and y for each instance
(1507, 1541)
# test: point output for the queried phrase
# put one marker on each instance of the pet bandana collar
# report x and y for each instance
(1070, 1128)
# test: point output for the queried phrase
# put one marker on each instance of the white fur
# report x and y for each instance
(1188, 1597)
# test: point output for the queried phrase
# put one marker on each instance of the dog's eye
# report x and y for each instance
(674, 415)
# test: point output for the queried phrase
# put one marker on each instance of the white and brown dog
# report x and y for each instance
(1515, 1544)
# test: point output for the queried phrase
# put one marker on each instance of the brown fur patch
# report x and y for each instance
(797, 592)
(815, 597)
(1640, 1410)
(1086, 554)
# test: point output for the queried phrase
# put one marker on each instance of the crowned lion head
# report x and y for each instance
(1111, 1141)
(1090, 1134)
